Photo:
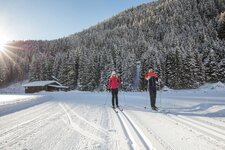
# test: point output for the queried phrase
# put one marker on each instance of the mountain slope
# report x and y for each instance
(179, 38)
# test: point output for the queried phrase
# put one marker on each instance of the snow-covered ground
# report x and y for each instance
(188, 119)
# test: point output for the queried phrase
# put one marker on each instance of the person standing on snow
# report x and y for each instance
(152, 79)
(113, 85)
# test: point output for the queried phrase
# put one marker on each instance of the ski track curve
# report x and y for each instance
(78, 128)
(85, 121)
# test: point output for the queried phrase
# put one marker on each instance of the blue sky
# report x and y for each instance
(52, 19)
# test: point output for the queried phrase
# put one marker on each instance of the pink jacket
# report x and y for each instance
(114, 82)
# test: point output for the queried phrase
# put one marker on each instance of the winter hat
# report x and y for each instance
(150, 70)
(113, 73)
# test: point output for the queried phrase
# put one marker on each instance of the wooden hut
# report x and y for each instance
(38, 86)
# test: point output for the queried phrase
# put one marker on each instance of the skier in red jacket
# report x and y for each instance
(152, 79)
(113, 85)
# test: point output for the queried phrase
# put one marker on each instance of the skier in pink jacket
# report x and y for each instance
(113, 85)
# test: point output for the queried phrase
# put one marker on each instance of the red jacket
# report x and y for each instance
(152, 80)
(114, 82)
(152, 74)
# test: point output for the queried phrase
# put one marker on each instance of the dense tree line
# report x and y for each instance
(183, 40)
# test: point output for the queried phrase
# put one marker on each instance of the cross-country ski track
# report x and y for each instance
(85, 120)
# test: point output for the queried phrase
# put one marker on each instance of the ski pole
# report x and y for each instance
(146, 100)
(124, 100)
(160, 96)
(107, 97)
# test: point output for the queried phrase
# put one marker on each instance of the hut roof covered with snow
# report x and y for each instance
(37, 86)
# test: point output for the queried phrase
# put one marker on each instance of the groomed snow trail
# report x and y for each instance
(85, 120)
(137, 138)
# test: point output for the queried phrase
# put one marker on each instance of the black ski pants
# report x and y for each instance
(152, 93)
(114, 96)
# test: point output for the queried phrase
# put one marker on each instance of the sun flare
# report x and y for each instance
(2, 44)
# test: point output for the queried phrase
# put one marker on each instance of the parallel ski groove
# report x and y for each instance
(199, 128)
(125, 120)
(139, 132)
(208, 137)
(126, 131)
(36, 125)
(209, 123)
(157, 136)
(206, 126)
(45, 109)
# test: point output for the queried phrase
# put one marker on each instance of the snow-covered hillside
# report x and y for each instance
(188, 119)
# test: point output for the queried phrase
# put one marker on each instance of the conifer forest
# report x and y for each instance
(183, 40)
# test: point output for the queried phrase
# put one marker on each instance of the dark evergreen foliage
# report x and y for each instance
(183, 40)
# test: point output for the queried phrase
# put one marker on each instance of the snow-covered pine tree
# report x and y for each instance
(107, 67)
(66, 71)
(170, 74)
(85, 75)
(188, 76)
(199, 72)
(211, 68)
(128, 70)
(222, 70)
(48, 65)
(56, 64)
(35, 68)
(178, 71)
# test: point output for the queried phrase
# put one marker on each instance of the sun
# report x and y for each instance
(2, 44)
